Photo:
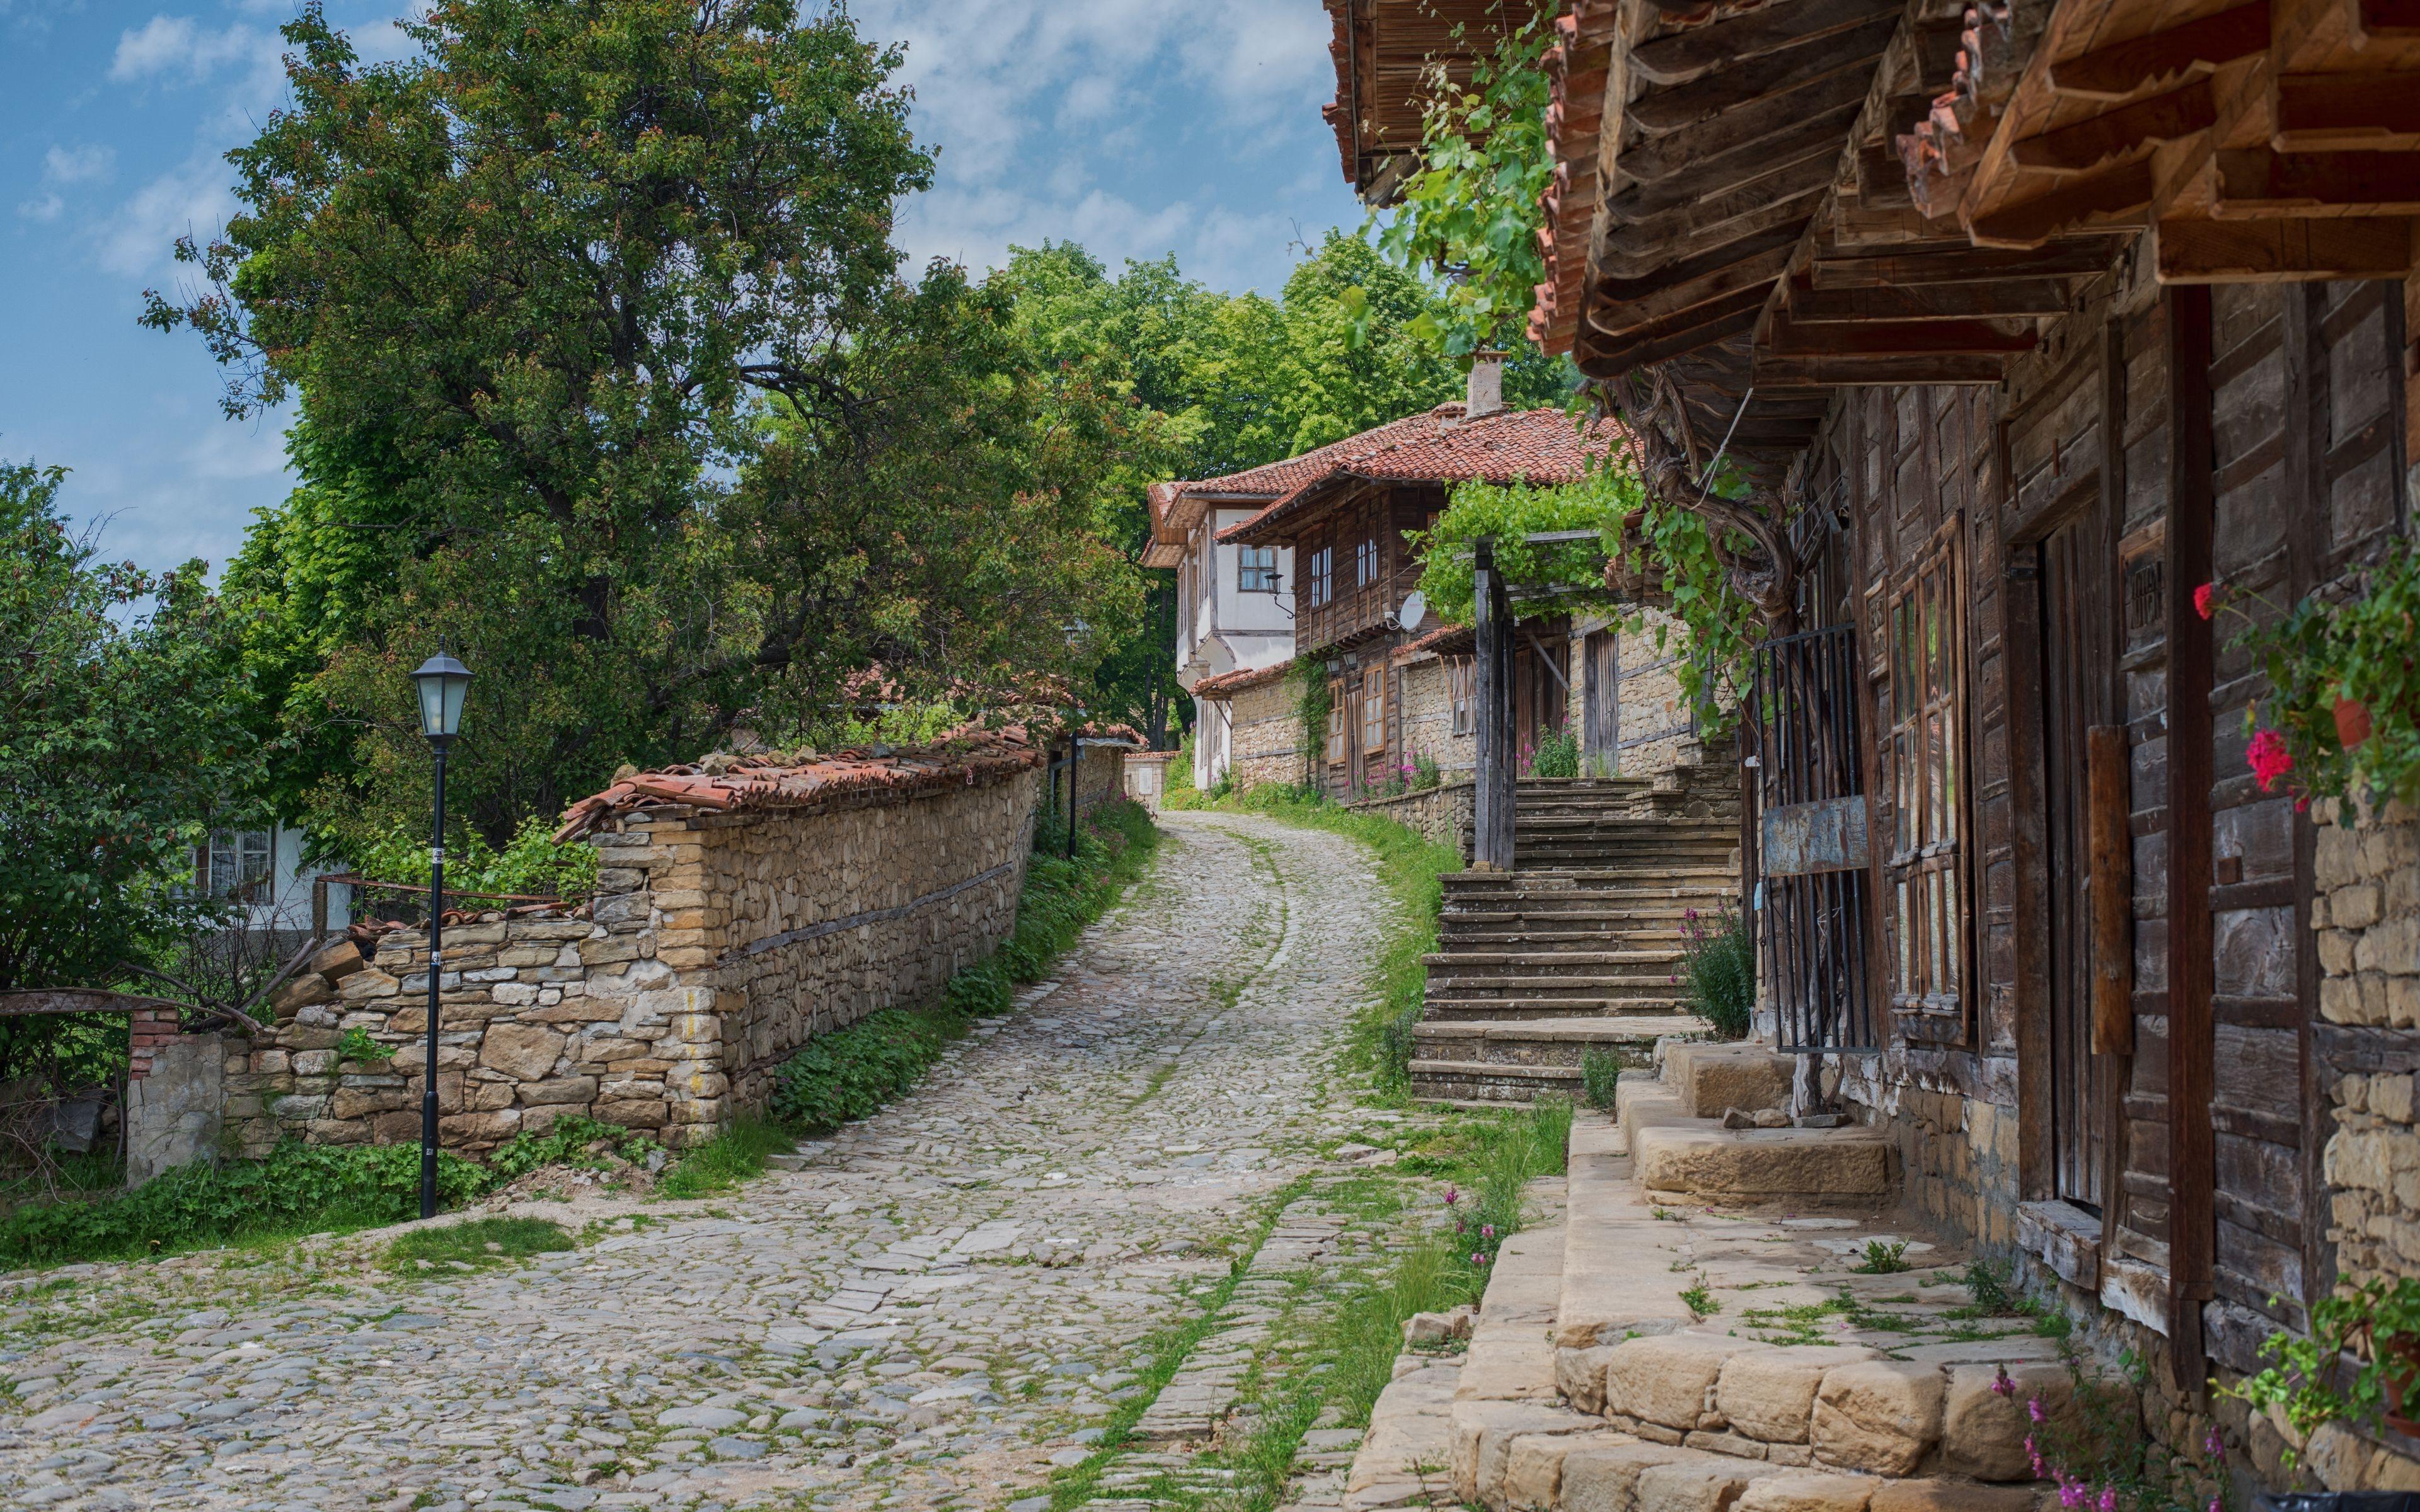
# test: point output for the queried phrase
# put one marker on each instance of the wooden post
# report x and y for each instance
(2191, 1040)
(1492, 755)
(1508, 736)
(2111, 879)
(319, 908)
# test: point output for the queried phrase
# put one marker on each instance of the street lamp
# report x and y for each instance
(441, 682)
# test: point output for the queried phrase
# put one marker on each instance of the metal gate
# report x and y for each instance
(1812, 840)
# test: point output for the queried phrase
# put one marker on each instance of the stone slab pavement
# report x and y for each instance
(936, 1306)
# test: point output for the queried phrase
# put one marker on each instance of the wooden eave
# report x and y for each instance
(1998, 155)
(1386, 53)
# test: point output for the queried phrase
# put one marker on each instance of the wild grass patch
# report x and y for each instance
(474, 1245)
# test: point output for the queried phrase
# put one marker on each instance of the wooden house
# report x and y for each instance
(2022, 321)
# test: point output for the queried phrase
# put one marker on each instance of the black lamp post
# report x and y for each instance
(441, 682)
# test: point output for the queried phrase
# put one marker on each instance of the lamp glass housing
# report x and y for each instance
(441, 682)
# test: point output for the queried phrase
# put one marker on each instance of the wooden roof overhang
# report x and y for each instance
(1781, 199)
(1385, 53)
(1303, 509)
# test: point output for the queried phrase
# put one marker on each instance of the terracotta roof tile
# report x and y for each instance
(1227, 684)
(1535, 446)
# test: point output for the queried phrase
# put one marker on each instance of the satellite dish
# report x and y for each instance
(1415, 609)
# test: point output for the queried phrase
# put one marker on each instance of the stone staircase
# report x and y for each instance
(1683, 1330)
(1580, 946)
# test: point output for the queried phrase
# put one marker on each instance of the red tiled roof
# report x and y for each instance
(759, 782)
(1227, 684)
(1535, 446)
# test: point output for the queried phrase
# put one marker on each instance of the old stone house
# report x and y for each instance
(1397, 694)
(2016, 324)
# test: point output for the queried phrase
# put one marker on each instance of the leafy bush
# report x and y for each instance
(1600, 1072)
(853, 1072)
(1425, 773)
(563, 1144)
(1718, 964)
(1556, 754)
(531, 863)
(297, 1188)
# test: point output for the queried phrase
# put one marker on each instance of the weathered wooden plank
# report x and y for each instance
(2346, 112)
(2128, 68)
(1963, 265)
(2260, 185)
(2270, 252)
(2190, 732)
(1836, 370)
(44, 1002)
(1659, 111)
(2114, 196)
(2017, 298)
(1686, 286)
(1666, 340)
(1825, 109)
(1700, 50)
(2112, 864)
(2090, 143)
(1903, 338)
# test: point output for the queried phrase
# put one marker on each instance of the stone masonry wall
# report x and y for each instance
(2365, 910)
(1265, 738)
(719, 943)
(1428, 717)
(1442, 814)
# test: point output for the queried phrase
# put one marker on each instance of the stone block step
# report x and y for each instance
(1564, 932)
(1712, 1079)
(1527, 963)
(1494, 1085)
(1566, 881)
(1452, 1007)
(1547, 1042)
(1484, 981)
(1671, 1152)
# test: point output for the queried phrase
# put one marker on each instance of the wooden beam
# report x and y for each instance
(2110, 879)
(1632, 253)
(1897, 338)
(2092, 142)
(2347, 113)
(1661, 111)
(2277, 252)
(2390, 20)
(1613, 361)
(2119, 196)
(2125, 68)
(1832, 371)
(1782, 121)
(1689, 285)
(1805, 155)
(2080, 259)
(2022, 296)
(2192, 1146)
(1684, 322)
(1726, 44)
(2260, 185)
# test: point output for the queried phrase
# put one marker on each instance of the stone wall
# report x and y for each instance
(1442, 814)
(1265, 738)
(1100, 775)
(1428, 717)
(717, 944)
(2365, 907)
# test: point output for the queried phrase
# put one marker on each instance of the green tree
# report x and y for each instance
(120, 747)
(606, 371)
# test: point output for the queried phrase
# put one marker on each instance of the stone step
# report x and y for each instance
(1567, 963)
(1455, 1009)
(1482, 1083)
(1674, 1152)
(1485, 981)
(1547, 1042)
(1712, 1079)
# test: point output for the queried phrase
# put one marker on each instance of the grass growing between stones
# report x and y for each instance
(1410, 866)
(1335, 1351)
(475, 1246)
(728, 1159)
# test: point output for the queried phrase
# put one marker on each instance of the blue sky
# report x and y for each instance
(1136, 127)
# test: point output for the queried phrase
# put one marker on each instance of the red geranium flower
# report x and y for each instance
(2206, 599)
(2269, 758)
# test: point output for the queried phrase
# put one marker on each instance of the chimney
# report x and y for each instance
(1485, 395)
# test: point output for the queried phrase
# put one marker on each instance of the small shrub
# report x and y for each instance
(1718, 965)
(1700, 1302)
(1426, 774)
(1881, 1258)
(357, 1045)
(1600, 1072)
(565, 1143)
(1556, 754)
(476, 1244)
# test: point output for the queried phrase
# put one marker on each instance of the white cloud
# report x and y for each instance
(192, 199)
(166, 44)
(76, 166)
(44, 209)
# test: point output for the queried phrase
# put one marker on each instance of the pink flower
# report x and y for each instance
(2214, 1446)
(2034, 1410)
(2109, 1499)
(2269, 758)
(1487, 1230)
(2206, 600)
(1452, 1196)
(2003, 1383)
(1478, 1258)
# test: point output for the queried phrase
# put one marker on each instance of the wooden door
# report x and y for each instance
(2076, 666)
(1600, 679)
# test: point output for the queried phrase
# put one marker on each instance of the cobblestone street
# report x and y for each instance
(933, 1309)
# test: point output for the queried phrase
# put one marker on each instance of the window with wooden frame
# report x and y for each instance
(1336, 722)
(1459, 673)
(1373, 710)
(1365, 564)
(1929, 901)
(1256, 570)
(1322, 583)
